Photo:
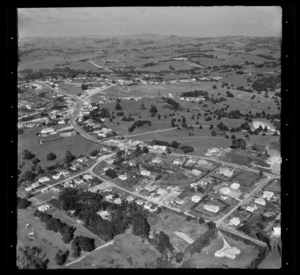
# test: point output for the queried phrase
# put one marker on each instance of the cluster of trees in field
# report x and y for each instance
(56, 225)
(174, 144)
(175, 105)
(269, 83)
(99, 113)
(138, 123)
(87, 204)
(81, 243)
(195, 93)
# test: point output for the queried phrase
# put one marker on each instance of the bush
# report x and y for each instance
(23, 203)
(60, 257)
(51, 156)
(28, 155)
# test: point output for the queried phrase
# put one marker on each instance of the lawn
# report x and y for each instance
(246, 178)
(272, 261)
(77, 145)
(47, 240)
(128, 251)
(207, 259)
(169, 222)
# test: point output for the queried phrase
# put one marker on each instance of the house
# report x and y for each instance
(65, 173)
(35, 185)
(153, 209)
(225, 190)
(46, 131)
(31, 235)
(235, 186)
(139, 202)
(235, 221)
(226, 171)
(61, 122)
(29, 188)
(196, 198)
(117, 201)
(178, 161)
(211, 208)
(145, 172)
(276, 231)
(159, 147)
(179, 201)
(43, 207)
(267, 195)
(190, 163)
(130, 198)
(110, 161)
(251, 207)
(87, 177)
(157, 160)
(196, 172)
(161, 191)
(260, 201)
(150, 187)
(43, 179)
(123, 177)
(78, 181)
(56, 176)
(109, 197)
(147, 205)
(55, 189)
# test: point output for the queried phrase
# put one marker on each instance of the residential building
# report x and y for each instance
(235, 221)
(267, 195)
(196, 198)
(117, 201)
(43, 207)
(260, 201)
(44, 179)
(196, 172)
(235, 186)
(251, 208)
(130, 198)
(211, 208)
(123, 177)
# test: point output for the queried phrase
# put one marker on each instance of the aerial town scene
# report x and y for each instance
(149, 137)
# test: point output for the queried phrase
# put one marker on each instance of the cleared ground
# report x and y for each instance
(170, 222)
(127, 251)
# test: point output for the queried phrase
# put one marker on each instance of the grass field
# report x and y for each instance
(272, 261)
(246, 178)
(207, 259)
(169, 222)
(48, 241)
(77, 145)
(127, 251)
(273, 186)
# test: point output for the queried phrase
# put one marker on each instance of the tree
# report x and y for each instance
(145, 150)
(275, 134)
(111, 173)
(211, 225)
(23, 203)
(201, 220)
(140, 225)
(211, 127)
(67, 237)
(75, 245)
(213, 133)
(153, 109)
(20, 131)
(118, 106)
(31, 258)
(233, 137)
(200, 127)
(60, 257)
(143, 106)
(158, 116)
(183, 123)
(179, 257)
(28, 176)
(239, 144)
(35, 161)
(28, 155)
(69, 158)
(51, 156)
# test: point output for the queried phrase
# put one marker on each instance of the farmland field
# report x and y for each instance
(246, 178)
(127, 251)
(169, 222)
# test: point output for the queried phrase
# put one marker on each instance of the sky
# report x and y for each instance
(182, 21)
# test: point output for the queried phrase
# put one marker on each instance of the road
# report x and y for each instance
(150, 132)
(100, 67)
(244, 201)
(77, 174)
(82, 257)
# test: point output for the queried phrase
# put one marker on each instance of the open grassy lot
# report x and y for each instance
(246, 178)
(77, 145)
(47, 240)
(236, 158)
(273, 186)
(169, 222)
(127, 251)
(272, 261)
(207, 259)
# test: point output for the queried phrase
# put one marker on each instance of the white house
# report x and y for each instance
(47, 131)
(43, 207)
(277, 231)
(43, 179)
(78, 181)
(267, 195)
(235, 221)
(123, 177)
(211, 208)
(196, 198)
(226, 171)
(235, 186)
(29, 188)
(56, 176)
(87, 177)
(251, 208)
(260, 201)
(196, 172)
(130, 198)
(150, 188)
(35, 185)
(139, 202)
(117, 201)
(161, 191)
(177, 161)
(157, 160)
(145, 172)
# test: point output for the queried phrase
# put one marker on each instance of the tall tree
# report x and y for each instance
(31, 258)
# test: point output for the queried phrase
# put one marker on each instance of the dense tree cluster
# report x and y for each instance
(153, 109)
(56, 225)
(51, 156)
(87, 204)
(23, 203)
(161, 241)
(175, 105)
(269, 83)
(28, 155)
(81, 243)
(31, 258)
(138, 123)
(61, 257)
